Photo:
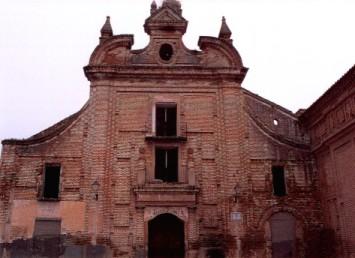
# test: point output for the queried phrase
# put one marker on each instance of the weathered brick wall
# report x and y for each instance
(330, 121)
(204, 127)
(225, 149)
(282, 144)
(227, 143)
(22, 176)
(7, 174)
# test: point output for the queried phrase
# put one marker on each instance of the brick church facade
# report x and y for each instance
(171, 157)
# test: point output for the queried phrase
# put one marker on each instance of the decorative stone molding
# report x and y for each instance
(180, 212)
(166, 194)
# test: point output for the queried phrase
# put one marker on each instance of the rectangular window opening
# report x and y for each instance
(166, 164)
(278, 180)
(165, 120)
(51, 182)
(47, 227)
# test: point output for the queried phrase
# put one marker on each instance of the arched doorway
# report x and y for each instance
(166, 237)
(283, 235)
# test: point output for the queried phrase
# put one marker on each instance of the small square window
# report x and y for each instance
(51, 181)
(278, 180)
(165, 120)
(166, 164)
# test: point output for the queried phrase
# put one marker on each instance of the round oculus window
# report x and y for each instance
(166, 52)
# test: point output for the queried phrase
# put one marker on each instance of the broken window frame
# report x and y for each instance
(43, 195)
(164, 178)
(279, 186)
(165, 132)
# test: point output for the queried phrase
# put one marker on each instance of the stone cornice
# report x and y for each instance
(166, 194)
(100, 72)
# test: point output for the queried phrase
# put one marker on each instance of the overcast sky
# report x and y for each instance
(294, 49)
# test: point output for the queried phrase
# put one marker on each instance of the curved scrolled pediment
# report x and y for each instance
(113, 51)
(215, 53)
(166, 54)
(219, 53)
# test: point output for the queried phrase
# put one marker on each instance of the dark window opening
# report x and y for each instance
(278, 180)
(166, 120)
(166, 164)
(166, 52)
(51, 181)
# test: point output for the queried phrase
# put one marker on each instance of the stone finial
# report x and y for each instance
(153, 7)
(225, 32)
(174, 5)
(106, 30)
